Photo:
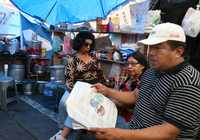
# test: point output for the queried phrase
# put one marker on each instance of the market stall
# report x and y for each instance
(116, 37)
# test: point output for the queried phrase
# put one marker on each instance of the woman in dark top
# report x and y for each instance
(136, 65)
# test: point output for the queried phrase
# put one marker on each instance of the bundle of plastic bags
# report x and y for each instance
(191, 22)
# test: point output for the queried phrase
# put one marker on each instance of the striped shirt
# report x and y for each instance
(172, 97)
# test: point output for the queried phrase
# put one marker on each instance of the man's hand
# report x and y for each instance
(101, 88)
(108, 133)
(166, 131)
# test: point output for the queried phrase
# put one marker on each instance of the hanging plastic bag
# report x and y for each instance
(14, 46)
(191, 22)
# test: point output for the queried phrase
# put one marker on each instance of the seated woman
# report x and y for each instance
(136, 65)
(80, 66)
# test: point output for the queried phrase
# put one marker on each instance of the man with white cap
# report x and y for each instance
(168, 105)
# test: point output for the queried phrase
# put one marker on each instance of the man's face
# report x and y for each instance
(162, 57)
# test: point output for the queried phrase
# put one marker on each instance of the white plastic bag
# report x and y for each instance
(191, 22)
(90, 109)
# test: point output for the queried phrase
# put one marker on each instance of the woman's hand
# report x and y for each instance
(101, 88)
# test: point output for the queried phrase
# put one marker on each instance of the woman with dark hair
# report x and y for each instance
(80, 39)
(136, 65)
(81, 66)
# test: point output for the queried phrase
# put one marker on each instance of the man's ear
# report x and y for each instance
(179, 51)
(142, 67)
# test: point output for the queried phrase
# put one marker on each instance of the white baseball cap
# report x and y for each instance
(164, 32)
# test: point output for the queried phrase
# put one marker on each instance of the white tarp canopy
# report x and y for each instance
(9, 22)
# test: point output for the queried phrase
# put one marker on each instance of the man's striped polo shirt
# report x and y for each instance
(173, 97)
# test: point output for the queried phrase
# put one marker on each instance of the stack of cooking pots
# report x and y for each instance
(16, 71)
(41, 86)
(29, 87)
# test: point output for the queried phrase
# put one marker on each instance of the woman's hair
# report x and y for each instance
(80, 38)
(140, 58)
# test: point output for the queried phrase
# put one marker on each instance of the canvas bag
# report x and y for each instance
(191, 22)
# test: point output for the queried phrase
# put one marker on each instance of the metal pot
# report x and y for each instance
(41, 86)
(57, 73)
(39, 69)
(17, 71)
(28, 87)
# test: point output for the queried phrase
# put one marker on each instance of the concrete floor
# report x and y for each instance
(24, 122)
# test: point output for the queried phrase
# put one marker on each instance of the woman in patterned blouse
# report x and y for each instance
(80, 66)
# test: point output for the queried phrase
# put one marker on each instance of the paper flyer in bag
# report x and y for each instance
(89, 109)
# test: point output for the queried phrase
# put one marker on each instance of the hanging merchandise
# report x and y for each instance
(43, 52)
(153, 18)
(14, 46)
(110, 25)
(67, 49)
(138, 13)
(116, 23)
(116, 40)
(98, 24)
(191, 22)
(9, 22)
(124, 18)
(57, 41)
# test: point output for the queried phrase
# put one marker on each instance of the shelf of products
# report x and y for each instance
(102, 32)
(104, 44)
(112, 61)
(38, 67)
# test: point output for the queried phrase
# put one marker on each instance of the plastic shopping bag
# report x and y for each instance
(89, 109)
(191, 22)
